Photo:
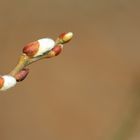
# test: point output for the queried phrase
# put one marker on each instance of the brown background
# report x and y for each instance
(89, 92)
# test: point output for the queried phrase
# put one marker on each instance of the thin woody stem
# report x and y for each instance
(41, 49)
(25, 60)
(46, 55)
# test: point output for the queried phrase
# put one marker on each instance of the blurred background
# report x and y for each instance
(92, 90)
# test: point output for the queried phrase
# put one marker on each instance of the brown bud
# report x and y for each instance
(31, 49)
(1, 82)
(20, 76)
(50, 54)
(57, 49)
(64, 37)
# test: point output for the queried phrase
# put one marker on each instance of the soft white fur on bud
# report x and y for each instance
(45, 45)
(9, 82)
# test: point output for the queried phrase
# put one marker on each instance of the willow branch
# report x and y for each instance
(33, 52)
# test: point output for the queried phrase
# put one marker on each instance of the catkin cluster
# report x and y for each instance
(32, 52)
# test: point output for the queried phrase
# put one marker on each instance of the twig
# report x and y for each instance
(32, 52)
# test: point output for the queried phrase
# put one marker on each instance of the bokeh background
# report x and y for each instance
(92, 90)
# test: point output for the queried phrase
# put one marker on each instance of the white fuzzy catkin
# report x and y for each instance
(45, 44)
(9, 82)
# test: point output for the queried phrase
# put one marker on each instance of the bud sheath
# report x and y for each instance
(55, 51)
(20, 76)
(64, 37)
(39, 47)
(31, 49)
(1, 82)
